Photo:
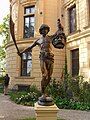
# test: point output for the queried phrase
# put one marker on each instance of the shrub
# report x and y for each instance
(1, 79)
(70, 93)
(1, 83)
(85, 92)
(26, 97)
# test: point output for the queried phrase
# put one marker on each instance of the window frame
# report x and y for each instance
(76, 62)
(28, 15)
(69, 19)
(26, 61)
(88, 5)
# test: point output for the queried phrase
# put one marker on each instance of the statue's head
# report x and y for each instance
(44, 29)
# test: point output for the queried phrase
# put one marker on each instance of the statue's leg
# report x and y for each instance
(49, 67)
(47, 70)
(44, 75)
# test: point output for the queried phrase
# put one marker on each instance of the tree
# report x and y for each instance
(4, 33)
(4, 30)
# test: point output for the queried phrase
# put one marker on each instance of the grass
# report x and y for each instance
(35, 119)
(29, 119)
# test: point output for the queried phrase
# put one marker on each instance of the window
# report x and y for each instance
(72, 19)
(75, 62)
(29, 21)
(26, 64)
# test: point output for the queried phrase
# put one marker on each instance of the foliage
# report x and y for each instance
(71, 93)
(26, 97)
(16, 94)
(4, 33)
(1, 88)
(35, 119)
(85, 92)
(2, 57)
(2, 53)
(70, 104)
(68, 94)
(29, 119)
(1, 84)
(4, 30)
(1, 79)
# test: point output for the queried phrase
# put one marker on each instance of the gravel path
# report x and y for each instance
(12, 111)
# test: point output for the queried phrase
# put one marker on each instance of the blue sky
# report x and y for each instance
(4, 10)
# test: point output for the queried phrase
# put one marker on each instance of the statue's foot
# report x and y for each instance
(43, 97)
(44, 100)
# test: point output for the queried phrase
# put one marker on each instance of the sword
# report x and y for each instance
(12, 31)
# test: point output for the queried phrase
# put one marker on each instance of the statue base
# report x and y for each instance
(46, 112)
(45, 101)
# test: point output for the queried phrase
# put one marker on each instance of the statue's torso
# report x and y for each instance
(45, 45)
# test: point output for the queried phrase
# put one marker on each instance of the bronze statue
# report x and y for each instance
(46, 56)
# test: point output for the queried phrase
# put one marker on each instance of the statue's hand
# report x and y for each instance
(59, 25)
(63, 41)
(19, 53)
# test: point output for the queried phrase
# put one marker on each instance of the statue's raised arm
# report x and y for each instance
(59, 38)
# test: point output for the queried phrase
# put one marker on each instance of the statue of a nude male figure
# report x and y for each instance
(46, 56)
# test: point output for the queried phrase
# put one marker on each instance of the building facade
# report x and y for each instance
(28, 15)
(77, 28)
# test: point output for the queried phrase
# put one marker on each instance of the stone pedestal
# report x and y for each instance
(46, 112)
